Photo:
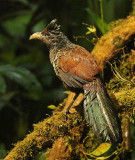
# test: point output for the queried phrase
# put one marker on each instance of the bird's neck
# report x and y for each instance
(59, 41)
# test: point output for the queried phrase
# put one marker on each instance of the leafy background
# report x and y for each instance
(27, 81)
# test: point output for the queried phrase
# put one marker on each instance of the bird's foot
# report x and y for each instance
(73, 100)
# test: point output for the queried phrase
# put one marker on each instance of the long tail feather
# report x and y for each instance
(100, 113)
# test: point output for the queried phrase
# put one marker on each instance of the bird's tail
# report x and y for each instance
(100, 113)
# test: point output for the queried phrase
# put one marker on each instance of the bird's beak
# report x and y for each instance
(40, 36)
(36, 35)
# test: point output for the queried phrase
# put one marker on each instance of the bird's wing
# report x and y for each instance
(79, 62)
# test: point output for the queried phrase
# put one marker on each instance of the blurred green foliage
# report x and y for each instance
(27, 81)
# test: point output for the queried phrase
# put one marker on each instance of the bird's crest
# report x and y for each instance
(52, 26)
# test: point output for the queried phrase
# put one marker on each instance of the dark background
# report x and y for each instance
(20, 105)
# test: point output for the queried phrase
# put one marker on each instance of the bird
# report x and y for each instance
(79, 72)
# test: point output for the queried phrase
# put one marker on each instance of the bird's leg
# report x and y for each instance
(69, 102)
(73, 100)
(77, 102)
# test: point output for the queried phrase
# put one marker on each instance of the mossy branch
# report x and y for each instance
(44, 134)
(111, 43)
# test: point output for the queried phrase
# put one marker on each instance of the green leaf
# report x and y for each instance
(91, 29)
(99, 22)
(22, 76)
(66, 92)
(101, 149)
(14, 28)
(2, 85)
(51, 107)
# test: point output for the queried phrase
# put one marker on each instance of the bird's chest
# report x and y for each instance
(54, 58)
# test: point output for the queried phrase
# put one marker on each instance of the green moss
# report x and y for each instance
(126, 97)
(91, 142)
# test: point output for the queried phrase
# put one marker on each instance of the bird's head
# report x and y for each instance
(51, 35)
